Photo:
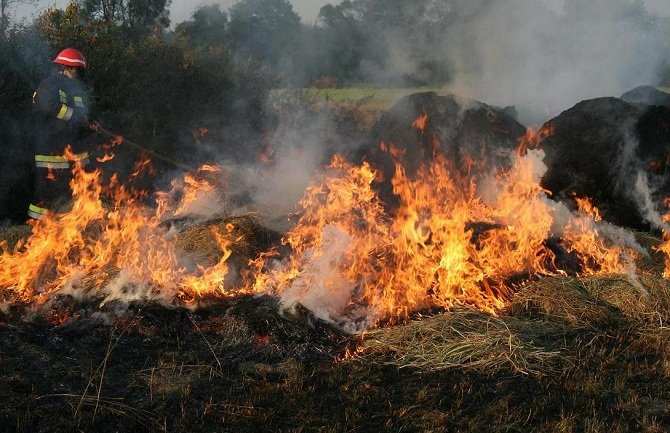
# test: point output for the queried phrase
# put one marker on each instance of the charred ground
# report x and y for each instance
(567, 355)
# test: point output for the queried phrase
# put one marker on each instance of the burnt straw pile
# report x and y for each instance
(614, 152)
(160, 322)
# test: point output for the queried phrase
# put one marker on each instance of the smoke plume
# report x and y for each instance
(543, 57)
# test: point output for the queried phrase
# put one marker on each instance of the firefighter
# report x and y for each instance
(62, 118)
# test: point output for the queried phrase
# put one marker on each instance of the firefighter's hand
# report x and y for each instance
(92, 125)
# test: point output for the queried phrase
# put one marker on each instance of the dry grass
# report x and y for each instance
(13, 234)
(471, 339)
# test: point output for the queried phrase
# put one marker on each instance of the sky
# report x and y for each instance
(181, 10)
(308, 10)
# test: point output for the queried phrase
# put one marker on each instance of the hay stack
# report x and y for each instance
(470, 339)
(464, 131)
(600, 148)
(247, 238)
(13, 234)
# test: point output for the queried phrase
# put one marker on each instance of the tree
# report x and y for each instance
(5, 17)
(137, 15)
(264, 30)
(207, 27)
(385, 41)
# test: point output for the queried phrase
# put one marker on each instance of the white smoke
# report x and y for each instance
(632, 178)
(299, 148)
(320, 287)
(275, 189)
(543, 57)
(649, 207)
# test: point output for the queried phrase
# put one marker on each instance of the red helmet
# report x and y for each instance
(71, 57)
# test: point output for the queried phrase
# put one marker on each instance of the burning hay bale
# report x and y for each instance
(247, 236)
(200, 260)
(13, 234)
(615, 153)
(538, 333)
(470, 135)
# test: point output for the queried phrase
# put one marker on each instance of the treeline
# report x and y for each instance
(153, 74)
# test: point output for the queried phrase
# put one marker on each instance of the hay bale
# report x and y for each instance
(246, 235)
(599, 302)
(654, 262)
(562, 300)
(646, 300)
(649, 95)
(464, 131)
(599, 149)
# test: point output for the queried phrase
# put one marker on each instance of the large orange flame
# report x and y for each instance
(452, 241)
(664, 247)
(115, 251)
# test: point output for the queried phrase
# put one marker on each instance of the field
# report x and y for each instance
(364, 104)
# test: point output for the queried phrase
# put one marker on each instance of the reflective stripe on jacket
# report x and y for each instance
(36, 212)
(60, 162)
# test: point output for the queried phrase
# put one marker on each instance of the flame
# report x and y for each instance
(106, 157)
(453, 241)
(142, 166)
(664, 247)
(596, 254)
(111, 251)
(266, 155)
(534, 137)
(116, 140)
(393, 150)
(421, 122)
(195, 193)
(200, 132)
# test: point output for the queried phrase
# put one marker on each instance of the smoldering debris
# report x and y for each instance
(615, 153)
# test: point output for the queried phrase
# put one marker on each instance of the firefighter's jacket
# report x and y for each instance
(61, 109)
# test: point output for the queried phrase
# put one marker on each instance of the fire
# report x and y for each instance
(104, 158)
(534, 137)
(596, 255)
(421, 122)
(196, 193)
(112, 251)
(664, 247)
(265, 155)
(200, 132)
(452, 241)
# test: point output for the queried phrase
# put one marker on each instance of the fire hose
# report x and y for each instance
(177, 164)
(216, 182)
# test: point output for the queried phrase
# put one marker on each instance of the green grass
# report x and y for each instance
(381, 94)
(354, 94)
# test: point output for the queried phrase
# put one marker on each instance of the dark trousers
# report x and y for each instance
(52, 192)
